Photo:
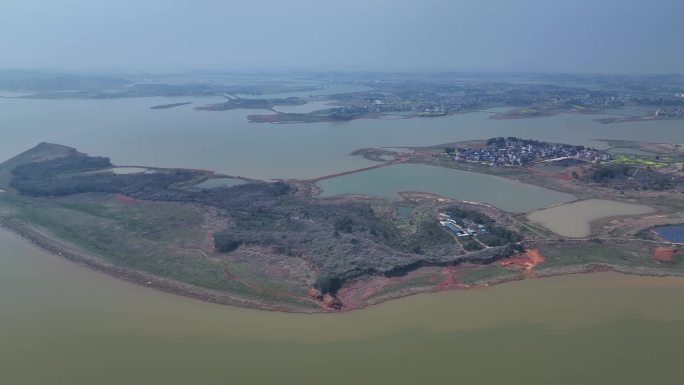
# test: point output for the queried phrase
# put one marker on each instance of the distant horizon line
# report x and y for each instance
(124, 71)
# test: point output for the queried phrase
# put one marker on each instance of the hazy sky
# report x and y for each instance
(610, 36)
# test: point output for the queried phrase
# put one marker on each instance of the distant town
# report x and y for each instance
(368, 95)
(670, 112)
(430, 98)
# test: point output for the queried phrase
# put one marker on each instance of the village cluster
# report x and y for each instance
(513, 151)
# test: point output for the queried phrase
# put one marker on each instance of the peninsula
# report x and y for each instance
(279, 246)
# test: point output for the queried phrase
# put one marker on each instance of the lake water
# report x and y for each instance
(630, 151)
(574, 219)
(64, 325)
(388, 181)
(305, 108)
(131, 134)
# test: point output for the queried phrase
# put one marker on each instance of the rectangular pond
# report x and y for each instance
(387, 181)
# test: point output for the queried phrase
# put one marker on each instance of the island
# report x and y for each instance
(170, 105)
(234, 102)
(283, 246)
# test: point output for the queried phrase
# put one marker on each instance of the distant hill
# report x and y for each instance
(23, 80)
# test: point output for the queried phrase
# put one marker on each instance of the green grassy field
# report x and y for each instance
(485, 273)
(162, 238)
(629, 254)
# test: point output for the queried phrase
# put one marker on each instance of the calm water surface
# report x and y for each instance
(387, 181)
(63, 324)
(574, 219)
(132, 134)
(305, 108)
(631, 151)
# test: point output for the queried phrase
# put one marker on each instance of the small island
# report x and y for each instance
(167, 106)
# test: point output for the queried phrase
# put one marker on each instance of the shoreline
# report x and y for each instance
(58, 248)
(69, 253)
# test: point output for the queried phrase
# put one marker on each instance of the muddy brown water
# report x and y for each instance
(63, 324)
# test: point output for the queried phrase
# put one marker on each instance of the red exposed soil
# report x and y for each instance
(127, 200)
(355, 294)
(331, 302)
(664, 254)
(562, 176)
(450, 280)
(527, 260)
(313, 293)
